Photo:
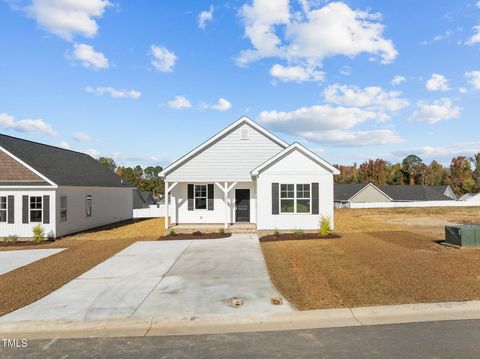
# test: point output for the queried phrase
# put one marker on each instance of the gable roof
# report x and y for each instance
(61, 167)
(416, 193)
(344, 192)
(218, 136)
(301, 148)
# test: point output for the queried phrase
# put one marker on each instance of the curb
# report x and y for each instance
(215, 324)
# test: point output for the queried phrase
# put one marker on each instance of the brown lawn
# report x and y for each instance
(385, 256)
(84, 251)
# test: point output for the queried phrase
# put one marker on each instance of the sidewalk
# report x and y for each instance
(322, 318)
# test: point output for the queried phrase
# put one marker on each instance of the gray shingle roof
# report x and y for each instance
(64, 167)
(416, 193)
(342, 192)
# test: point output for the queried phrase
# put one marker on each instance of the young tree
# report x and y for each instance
(413, 169)
(435, 174)
(394, 174)
(476, 172)
(348, 174)
(108, 162)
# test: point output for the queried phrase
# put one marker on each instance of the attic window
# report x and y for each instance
(244, 134)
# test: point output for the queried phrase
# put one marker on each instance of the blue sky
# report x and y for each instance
(146, 81)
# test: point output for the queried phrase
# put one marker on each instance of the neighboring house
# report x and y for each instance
(470, 197)
(63, 191)
(246, 174)
(347, 193)
(143, 199)
(415, 193)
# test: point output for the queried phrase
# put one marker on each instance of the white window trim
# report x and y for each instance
(6, 208)
(36, 209)
(195, 197)
(294, 199)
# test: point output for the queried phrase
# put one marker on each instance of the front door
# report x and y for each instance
(242, 205)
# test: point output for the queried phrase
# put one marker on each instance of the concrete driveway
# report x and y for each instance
(165, 279)
(10, 260)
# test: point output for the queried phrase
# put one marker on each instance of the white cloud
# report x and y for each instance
(163, 59)
(115, 93)
(305, 38)
(356, 138)
(64, 144)
(462, 90)
(88, 57)
(372, 97)
(27, 125)
(473, 78)
(398, 80)
(475, 38)
(204, 17)
(437, 82)
(179, 102)
(346, 71)
(82, 137)
(221, 105)
(436, 111)
(295, 73)
(67, 18)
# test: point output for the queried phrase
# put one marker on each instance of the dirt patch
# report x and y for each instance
(296, 237)
(25, 243)
(376, 262)
(194, 236)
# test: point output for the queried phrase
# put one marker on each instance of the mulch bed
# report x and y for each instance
(295, 237)
(25, 243)
(194, 235)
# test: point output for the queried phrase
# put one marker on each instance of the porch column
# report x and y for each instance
(166, 204)
(225, 198)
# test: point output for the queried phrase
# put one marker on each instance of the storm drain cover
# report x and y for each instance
(276, 300)
(236, 302)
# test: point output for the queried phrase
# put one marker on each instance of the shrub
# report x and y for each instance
(38, 234)
(276, 233)
(172, 233)
(221, 231)
(12, 238)
(325, 226)
(299, 232)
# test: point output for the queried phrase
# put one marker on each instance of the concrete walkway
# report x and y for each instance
(10, 260)
(167, 280)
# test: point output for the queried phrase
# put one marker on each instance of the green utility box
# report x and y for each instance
(464, 235)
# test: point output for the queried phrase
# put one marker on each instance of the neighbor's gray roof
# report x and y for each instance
(416, 192)
(342, 192)
(63, 167)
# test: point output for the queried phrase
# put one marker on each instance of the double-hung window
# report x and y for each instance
(200, 194)
(88, 204)
(3, 209)
(36, 209)
(295, 198)
(63, 208)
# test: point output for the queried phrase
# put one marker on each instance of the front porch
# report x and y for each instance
(240, 227)
(209, 206)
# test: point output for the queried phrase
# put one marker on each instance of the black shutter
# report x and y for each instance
(190, 197)
(11, 209)
(210, 193)
(315, 198)
(275, 208)
(46, 209)
(24, 209)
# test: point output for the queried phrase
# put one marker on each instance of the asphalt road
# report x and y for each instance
(452, 339)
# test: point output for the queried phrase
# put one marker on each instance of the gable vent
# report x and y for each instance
(244, 134)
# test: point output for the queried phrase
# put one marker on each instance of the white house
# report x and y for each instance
(247, 174)
(63, 191)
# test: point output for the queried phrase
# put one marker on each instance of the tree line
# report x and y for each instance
(463, 174)
(146, 179)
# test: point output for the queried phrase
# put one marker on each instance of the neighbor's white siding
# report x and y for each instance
(110, 205)
(294, 168)
(20, 229)
(229, 159)
(179, 212)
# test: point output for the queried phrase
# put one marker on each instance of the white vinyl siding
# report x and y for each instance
(228, 159)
